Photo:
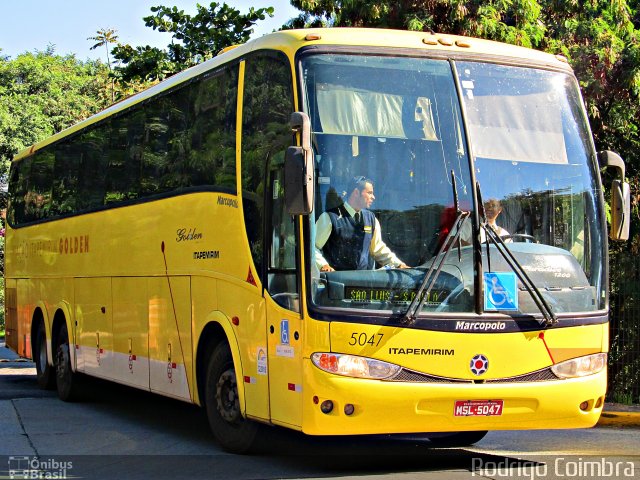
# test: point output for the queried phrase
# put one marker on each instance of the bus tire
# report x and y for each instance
(233, 432)
(45, 373)
(67, 381)
(458, 439)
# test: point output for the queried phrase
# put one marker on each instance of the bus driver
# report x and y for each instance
(348, 237)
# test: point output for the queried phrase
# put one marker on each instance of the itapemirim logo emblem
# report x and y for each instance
(479, 364)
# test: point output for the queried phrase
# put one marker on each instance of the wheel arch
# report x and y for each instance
(62, 317)
(40, 319)
(216, 329)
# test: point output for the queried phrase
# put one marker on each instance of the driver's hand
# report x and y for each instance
(403, 265)
(327, 268)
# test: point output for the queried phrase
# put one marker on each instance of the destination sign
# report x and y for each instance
(389, 295)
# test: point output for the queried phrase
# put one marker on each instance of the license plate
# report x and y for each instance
(478, 408)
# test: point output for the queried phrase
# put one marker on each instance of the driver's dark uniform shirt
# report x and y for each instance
(348, 245)
(378, 250)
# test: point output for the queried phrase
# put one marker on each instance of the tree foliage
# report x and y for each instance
(103, 38)
(195, 39)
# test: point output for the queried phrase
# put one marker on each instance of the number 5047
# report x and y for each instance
(364, 339)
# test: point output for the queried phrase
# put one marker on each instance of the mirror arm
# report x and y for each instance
(613, 160)
(301, 124)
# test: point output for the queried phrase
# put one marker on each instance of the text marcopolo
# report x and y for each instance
(461, 325)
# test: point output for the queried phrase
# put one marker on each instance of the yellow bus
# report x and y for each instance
(201, 240)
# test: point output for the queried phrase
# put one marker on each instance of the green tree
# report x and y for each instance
(195, 39)
(103, 38)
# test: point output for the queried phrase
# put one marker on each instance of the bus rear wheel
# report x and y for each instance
(233, 432)
(45, 373)
(67, 381)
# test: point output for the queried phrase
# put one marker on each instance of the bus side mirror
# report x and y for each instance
(620, 196)
(298, 169)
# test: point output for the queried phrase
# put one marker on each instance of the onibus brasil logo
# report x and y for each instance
(25, 467)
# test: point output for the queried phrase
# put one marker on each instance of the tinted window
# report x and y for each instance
(212, 158)
(18, 188)
(183, 139)
(268, 103)
(124, 157)
(38, 196)
(91, 182)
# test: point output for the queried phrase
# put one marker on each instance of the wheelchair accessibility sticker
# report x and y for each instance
(284, 332)
(500, 291)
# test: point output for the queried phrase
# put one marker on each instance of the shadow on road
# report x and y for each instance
(287, 454)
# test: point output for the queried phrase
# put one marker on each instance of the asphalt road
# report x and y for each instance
(126, 433)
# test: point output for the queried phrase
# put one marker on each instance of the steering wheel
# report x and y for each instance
(522, 236)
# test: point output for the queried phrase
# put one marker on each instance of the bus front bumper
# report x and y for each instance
(381, 407)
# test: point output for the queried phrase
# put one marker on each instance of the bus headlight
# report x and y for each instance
(581, 367)
(354, 366)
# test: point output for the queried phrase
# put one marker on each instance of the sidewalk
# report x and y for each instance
(12, 364)
(619, 415)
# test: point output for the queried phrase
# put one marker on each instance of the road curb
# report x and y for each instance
(619, 419)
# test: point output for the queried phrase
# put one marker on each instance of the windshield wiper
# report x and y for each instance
(549, 318)
(430, 278)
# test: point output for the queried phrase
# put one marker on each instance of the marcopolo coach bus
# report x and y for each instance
(172, 242)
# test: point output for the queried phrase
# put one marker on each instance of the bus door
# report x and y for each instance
(267, 100)
(284, 326)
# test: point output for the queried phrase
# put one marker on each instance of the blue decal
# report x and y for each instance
(284, 332)
(500, 291)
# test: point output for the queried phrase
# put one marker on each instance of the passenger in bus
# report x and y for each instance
(493, 208)
(348, 237)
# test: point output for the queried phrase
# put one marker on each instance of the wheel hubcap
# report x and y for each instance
(227, 396)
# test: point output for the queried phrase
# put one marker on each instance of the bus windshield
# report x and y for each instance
(393, 171)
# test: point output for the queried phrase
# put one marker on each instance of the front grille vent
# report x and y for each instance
(406, 375)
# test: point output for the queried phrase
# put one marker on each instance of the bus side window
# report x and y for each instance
(38, 197)
(282, 280)
(213, 135)
(124, 157)
(18, 188)
(94, 159)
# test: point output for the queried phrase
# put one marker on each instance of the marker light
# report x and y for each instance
(326, 407)
(581, 367)
(354, 366)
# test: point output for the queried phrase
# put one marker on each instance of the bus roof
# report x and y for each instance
(290, 41)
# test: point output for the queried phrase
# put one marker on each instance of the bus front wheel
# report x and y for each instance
(232, 431)
(67, 381)
(45, 373)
